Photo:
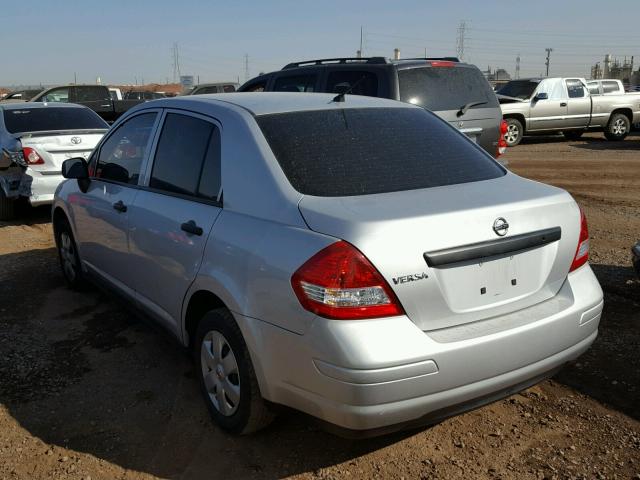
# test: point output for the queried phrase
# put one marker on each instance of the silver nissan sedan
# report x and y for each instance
(354, 258)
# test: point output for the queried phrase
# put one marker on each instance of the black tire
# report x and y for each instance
(7, 207)
(68, 255)
(573, 134)
(515, 132)
(251, 411)
(618, 127)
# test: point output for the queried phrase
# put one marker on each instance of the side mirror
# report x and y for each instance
(75, 168)
(541, 96)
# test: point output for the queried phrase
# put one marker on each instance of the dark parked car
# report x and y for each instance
(96, 97)
(635, 251)
(457, 92)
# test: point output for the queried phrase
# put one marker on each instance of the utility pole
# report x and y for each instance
(548, 50)
(176, 63)
(360, 51)
(246, 67)
(75, 78)
(460, 40)
(518, 66)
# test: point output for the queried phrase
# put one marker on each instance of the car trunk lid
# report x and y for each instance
(56, 147)
(476, 274)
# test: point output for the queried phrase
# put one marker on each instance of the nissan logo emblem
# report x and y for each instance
(500, 226)
(76, 140)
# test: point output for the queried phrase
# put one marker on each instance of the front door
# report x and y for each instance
(579, 108)
(173, 214)
(102, 213)
(549, 113)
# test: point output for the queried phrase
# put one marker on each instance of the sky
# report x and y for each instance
(128, 42)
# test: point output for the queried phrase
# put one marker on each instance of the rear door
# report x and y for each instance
(174, 212)
(579, 104)
(446, 89)
(96, 97)
(549, 113)
(101, 214)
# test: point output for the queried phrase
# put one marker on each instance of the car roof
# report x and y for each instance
(264, 103)
(37, 105)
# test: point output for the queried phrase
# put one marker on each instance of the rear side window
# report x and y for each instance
(187, 159)
(295, 83)
(346, 152)
(122, 153)
(228, 88)
(358, 82)
(593, 88)
(51, 119)
(206, 90)
(445, 88)
(610, 87)
(92, 94)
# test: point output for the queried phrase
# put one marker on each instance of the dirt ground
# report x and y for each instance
(87, 390)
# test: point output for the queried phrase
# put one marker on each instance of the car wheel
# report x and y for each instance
(68, 254)
(618, 127)
(514, 133)
(227, 377)
(7, 207)
(573, 134)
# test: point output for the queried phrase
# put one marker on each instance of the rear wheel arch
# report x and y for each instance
(199, 303)
(624, 111)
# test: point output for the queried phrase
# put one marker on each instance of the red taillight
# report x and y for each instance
(502, 143)
(340, 283)
(442, 63)
(582, 252)
(31, 156)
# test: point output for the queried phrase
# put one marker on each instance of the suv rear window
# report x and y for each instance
(51, 119)
(445, 88)
(346, 152)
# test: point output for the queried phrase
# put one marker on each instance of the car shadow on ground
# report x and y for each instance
(27, 215)
(610, 370)
(79, 370)
(590, 141)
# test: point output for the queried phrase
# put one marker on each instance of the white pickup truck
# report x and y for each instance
(547, 105)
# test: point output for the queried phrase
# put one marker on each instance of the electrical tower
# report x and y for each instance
(518, 66)
(246, 67)
(460, 40)
(176, 63)
(548, 50)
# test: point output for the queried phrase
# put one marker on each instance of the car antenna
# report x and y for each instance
(340, 96)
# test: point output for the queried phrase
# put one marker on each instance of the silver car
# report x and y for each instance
(358, 259)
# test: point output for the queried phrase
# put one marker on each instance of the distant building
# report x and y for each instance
(499, 76)
(611, 67)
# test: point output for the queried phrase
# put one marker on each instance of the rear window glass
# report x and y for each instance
(346, 152)
(445, 88)
(519, 89)
(51, 119)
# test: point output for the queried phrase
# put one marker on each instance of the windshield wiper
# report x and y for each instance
(464, 108)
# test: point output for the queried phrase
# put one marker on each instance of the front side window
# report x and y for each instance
(187, 159)
(355, 82)
(206, 90)
(295, 83)
(363, 151)
(553, 87)
(121, 155)
(60, 95)
(576, 89)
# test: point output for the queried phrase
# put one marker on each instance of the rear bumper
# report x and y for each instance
(382, 374)
(43, 186)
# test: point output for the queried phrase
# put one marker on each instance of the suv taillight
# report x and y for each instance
(502, 143)
(31, 156)
(582, 252)
(340, 283)
(442, 63)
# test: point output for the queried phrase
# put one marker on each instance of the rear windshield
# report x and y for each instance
(50, 119)
(519, 89)
(445, 88)
(346, 152)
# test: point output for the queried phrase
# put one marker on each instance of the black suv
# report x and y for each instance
(455, 91)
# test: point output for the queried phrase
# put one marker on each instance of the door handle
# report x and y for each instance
(119, 206)
(191, 227)
(563, 104)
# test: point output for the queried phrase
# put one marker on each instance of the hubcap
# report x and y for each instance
(220, 373)
(68, 256)
(619, 127)
(512, 133)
